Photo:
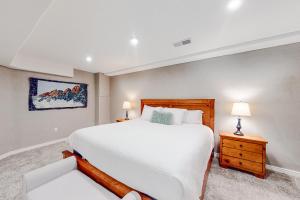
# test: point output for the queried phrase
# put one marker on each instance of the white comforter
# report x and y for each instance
(167, 162)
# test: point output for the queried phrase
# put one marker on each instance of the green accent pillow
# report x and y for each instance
(162, 117)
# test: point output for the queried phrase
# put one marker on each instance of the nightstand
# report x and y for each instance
(121, 120)
(247, 153)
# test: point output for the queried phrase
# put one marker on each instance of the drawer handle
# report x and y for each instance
(241, 145)
(241, 163)
(241, 154)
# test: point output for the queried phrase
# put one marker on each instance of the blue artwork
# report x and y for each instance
(49, 94)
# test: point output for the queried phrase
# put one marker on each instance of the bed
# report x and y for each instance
(160, 161)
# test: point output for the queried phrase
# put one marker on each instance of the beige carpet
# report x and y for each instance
(223, 184)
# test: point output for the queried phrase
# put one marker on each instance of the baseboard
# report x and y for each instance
(283, 170)
(275, 169)
(5, 155)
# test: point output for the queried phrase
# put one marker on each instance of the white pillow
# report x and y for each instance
(177, 113)
(147, 112)
(193, 117)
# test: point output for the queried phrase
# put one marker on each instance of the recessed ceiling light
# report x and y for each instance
(234, 4)
(89, 59)
(134, 41)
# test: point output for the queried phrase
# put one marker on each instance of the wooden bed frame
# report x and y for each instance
(120, 189)
(206, 105)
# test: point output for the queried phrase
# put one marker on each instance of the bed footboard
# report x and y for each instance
(103, 179)
(115, 186)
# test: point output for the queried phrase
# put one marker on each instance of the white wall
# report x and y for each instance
(102, 99)
(21, 128)
(268, 79)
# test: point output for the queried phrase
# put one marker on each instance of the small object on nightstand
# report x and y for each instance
(121, 120)
(246, 153)
(126, 106)
(240, 109)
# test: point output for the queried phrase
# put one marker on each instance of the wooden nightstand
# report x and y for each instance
(246, 153)
(121, 120)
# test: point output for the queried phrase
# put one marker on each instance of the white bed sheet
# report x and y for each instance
(167, 162)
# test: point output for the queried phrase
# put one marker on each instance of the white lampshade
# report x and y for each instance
(126, 105)
(241, 109)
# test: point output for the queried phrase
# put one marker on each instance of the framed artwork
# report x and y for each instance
(49, 94)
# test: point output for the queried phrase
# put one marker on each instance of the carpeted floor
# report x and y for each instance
(223, 184)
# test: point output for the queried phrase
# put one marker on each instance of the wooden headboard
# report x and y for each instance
(206, 105)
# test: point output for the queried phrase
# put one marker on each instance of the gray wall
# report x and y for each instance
(20, 128)
(268, 79)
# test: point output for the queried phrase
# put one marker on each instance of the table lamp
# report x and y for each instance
(126, 106)
(240, 109)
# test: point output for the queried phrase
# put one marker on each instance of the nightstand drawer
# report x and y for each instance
(242, 164)
(245, 146)
(246, 155)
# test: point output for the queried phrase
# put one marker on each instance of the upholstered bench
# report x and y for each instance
(62, 181)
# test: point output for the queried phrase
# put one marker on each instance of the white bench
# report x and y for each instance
(62, 181)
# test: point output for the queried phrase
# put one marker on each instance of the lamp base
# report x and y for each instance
(238, 133)
(126, 117)
(238, 128)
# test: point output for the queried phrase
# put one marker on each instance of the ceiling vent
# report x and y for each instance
(183, 42)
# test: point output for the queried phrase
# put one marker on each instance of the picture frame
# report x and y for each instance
(47, 94)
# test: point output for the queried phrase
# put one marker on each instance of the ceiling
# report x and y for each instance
(56, 36)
